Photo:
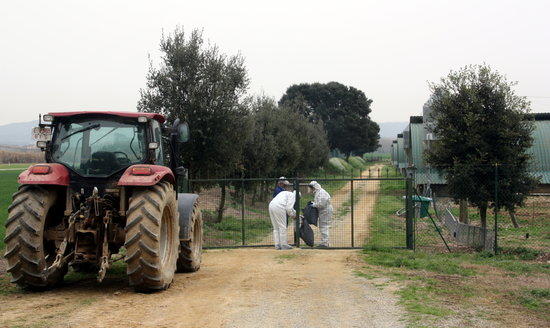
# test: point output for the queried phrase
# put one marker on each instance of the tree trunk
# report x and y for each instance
(513, 218)
(254, 194)
(483, 215)
(464, 211)
(221, 206)
(265, 191)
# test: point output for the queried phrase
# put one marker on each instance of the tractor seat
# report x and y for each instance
(103, 162)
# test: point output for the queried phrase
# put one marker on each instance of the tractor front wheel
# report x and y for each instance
(152, 237)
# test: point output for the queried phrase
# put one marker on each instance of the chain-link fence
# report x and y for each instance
(516, 219)
(370, 209)
(365, 211)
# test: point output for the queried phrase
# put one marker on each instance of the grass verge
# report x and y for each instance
(230, 229)
(454, 289)
(465, 289)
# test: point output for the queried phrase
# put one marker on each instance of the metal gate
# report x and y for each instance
(367, 211)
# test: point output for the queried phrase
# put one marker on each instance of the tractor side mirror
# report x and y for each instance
(180, 131)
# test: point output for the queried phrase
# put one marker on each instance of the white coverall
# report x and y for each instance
(321, 200)
(279, 207)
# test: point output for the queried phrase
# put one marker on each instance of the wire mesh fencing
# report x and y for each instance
(365, 211)
(510, 220)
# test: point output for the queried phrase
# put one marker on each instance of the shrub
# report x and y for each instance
(335, 165)
(357, 162)
(345, 164)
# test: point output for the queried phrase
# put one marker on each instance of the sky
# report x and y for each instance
(93, 55)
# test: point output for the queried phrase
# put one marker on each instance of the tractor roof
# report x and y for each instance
(160, 118)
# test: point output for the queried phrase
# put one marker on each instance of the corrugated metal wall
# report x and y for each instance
(541, 151)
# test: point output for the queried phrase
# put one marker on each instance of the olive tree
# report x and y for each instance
(480, 124)
(198, 84)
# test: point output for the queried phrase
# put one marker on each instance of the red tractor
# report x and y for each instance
(104, 186)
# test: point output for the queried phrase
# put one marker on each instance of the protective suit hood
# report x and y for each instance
(315, 185)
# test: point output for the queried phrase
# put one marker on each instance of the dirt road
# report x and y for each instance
(235, 288)
(365, 195)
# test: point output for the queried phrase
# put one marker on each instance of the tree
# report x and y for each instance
(281, 142)
(198, 84)
(480, 124)
(343, 110)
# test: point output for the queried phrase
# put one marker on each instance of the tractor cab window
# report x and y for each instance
(96, 147)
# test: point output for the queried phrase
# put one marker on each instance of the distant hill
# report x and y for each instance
(17, 134)
(391, 129)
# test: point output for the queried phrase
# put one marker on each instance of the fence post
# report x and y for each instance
(352, 216)
(297, 209)
(242, 212)
(409, 211)
(496, 210)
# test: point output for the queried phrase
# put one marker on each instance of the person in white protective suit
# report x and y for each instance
(321, 201)
(281, 206)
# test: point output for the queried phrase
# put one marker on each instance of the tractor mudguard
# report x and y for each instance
(186, 202)
(45, 174)
(145, 175)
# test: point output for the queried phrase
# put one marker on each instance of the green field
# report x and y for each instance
(8, 185)
(14, 166)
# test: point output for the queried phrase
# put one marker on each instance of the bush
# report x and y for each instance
(357, 162)
(335, 165)
(345, 164)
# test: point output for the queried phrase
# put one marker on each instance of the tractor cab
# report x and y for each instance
(98, 147)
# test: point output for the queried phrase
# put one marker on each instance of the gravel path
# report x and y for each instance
(237, 288)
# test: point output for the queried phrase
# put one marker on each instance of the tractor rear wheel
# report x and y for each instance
(152, 237)
(27, 251)
(189, 259)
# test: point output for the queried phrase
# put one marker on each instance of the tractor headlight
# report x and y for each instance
(142, 119)
(41, 144)
(47, 118)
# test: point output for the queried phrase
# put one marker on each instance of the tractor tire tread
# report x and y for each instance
(24, 238)
(146, 269)
(189, 259)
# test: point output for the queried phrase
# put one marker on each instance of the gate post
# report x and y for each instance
(495, 246)
(352, 216)
(409, 209)
(242, 211)
(297, 209)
